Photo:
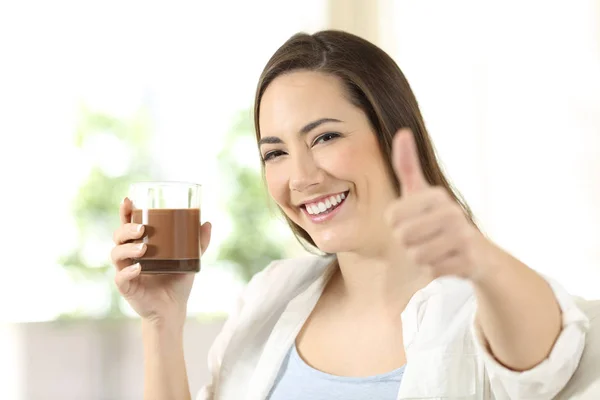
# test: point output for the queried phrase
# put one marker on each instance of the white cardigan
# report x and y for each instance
(444, 351)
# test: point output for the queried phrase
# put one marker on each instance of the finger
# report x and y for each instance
(416, 205)
(406, 162)
(124, 278)
(450, 264)
(434, 251)
(128, 232)
(125, 210)
(122, 255)
(423, 228)
(205, 233)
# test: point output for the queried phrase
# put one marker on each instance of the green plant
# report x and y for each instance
(251, 245)
(105, 141)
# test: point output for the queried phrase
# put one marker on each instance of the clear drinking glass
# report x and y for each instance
(170, 212)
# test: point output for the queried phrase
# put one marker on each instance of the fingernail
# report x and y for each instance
(140, 246)
(134, 267)
(137, 227)
(123, 201)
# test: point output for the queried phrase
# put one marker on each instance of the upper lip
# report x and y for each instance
(317, 199)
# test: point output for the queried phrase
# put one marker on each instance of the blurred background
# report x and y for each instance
(97, 94)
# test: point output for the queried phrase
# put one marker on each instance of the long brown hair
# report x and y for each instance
(374, 83)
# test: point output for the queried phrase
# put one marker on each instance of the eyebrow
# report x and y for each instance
(307, 128)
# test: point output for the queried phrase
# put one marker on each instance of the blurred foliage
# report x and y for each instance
(95, 207)
(251, 246)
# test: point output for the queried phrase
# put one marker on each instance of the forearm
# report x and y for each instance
(165, 375)
(517, 311)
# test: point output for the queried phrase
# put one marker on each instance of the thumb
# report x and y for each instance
(407, 165)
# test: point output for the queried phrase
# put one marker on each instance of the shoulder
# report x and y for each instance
(287, 276)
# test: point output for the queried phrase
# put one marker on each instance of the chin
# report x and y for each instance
(332, 244)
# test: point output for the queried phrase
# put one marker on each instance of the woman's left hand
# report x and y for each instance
(428, 223)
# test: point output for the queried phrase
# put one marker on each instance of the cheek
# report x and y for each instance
(342, 162)
(277, 184)
(361, 163)
(278, 187)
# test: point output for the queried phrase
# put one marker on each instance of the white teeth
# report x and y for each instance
(322, 206)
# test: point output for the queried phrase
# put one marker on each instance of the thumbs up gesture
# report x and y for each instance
(427, 222)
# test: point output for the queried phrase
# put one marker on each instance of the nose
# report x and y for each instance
(305, 173)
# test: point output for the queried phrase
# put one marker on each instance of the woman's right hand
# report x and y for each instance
(156, 298)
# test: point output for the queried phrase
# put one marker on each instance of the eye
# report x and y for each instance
(326, 137)
(271, 155)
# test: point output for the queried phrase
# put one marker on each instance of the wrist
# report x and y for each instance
(498, 270)
(487, 262)
(162, 340)
(165, 319)
(163, 327)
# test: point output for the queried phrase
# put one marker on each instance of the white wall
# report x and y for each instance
(194, 65)
(511, 96)
(91, 360)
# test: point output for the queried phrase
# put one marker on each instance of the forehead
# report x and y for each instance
(297, 98)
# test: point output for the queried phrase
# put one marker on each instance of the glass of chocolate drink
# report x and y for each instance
(170, 212)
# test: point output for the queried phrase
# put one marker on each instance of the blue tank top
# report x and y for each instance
(297, 380)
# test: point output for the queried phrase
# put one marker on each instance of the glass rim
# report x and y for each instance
(165, 183)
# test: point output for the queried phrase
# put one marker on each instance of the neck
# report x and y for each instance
(376, 281)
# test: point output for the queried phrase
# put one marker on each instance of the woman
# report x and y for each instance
(411, 300)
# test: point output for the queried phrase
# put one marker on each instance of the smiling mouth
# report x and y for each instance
(325, 206)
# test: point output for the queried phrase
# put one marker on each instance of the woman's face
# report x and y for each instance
(323, 164)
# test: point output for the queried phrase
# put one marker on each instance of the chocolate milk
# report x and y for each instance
(172, 237)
